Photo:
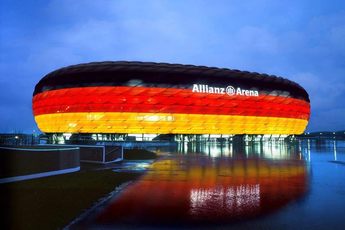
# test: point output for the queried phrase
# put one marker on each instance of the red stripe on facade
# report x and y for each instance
(165, 100)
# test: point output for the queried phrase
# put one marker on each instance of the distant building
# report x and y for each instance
(338, 135)
(18, 139)
(144, 98)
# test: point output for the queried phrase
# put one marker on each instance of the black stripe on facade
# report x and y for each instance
(165, 75)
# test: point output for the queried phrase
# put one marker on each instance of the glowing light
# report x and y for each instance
(156, 118)
(94, 116)
(182, 123)
(72, 125)
(125, 109)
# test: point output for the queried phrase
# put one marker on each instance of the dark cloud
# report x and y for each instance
(299, 40)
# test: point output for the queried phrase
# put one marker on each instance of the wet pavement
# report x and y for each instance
(252, 185)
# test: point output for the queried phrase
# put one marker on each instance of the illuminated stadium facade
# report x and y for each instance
(159, 98)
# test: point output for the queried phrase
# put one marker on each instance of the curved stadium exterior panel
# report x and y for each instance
(159, 98)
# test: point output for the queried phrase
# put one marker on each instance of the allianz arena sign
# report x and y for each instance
(229, 90)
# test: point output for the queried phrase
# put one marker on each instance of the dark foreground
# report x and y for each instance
(54, 202)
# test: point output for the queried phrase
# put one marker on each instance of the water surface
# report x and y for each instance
(252, 185)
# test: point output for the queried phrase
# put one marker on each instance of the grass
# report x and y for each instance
(53, 202)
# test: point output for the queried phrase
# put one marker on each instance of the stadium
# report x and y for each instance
(110, 99)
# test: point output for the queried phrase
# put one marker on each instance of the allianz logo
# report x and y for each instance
(229, 90)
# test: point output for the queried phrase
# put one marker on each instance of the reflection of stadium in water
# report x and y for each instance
(197, 188)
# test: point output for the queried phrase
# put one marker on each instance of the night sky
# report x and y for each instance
(303, 41)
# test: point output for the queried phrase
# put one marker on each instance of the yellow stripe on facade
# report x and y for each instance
(164, 123)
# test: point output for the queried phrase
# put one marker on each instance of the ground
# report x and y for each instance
(53, 202)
